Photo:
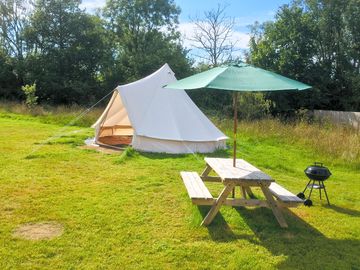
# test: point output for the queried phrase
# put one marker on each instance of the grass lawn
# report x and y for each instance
(133, 212)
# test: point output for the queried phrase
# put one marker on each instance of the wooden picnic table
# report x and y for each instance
(244, 175)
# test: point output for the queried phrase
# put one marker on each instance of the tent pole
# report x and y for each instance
(235, 126)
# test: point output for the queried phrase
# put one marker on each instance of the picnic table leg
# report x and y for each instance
(243, 192)
(274, 207)
(249, 192)
(217, 204)
(206, 171)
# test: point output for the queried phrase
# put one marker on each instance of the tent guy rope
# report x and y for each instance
(62, 130)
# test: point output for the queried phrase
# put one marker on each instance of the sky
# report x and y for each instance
(245, 13)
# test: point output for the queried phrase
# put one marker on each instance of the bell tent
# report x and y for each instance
(154, 119)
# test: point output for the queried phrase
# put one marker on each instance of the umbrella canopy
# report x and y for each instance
(238, 77)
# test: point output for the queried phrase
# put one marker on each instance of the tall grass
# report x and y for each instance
(338, 142)
(61, 115)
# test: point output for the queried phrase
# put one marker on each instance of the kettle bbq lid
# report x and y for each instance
(318, 169)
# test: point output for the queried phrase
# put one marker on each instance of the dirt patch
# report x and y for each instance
(102, 149)
(39, 231)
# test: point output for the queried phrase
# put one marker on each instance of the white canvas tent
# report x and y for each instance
(155, 119)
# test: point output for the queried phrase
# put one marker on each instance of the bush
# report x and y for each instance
(253, 106)
(30, 93)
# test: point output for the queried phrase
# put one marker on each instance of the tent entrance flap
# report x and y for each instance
(115, 127)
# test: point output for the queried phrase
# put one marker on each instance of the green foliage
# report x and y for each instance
(129, 152)
(65, 59)
(142, 45)
(75, 57)
(253, 106)
(30, 94)
(220, 103)
(316, 42)
(13, 20)
(8, 80)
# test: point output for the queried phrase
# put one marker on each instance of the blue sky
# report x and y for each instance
(245, 12)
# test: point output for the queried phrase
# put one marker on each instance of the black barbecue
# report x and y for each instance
(317, 174)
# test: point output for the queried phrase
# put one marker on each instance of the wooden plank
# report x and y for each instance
(202, 189)
(206, 171)
(201, 201)
(283, 194)
(211, 178)
(274, 207)
(246, 202)
(191, 189)
(195, 186)
(232, 202)
(196, 190)
(243, 170)
(217, 204)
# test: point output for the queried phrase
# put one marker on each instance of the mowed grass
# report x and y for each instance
(132, 211)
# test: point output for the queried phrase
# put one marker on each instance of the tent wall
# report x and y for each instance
(147, 144)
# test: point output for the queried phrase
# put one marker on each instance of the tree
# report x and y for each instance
(13, 16)
(13, 19)
(145, 36)
(67, 51)
(314, 41)
(213, 36)
(8, 81)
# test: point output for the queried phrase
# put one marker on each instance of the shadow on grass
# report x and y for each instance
(345, 211)
(304, 246)
(217, 153)
(161, 155)
(219, 229)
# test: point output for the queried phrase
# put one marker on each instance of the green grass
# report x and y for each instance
(132, 211)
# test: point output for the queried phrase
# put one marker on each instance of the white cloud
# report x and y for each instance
(187, 30)
(92, 5)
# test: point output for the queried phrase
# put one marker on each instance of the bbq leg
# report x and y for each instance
(326, 195)
(306, 186)
(321, 186)
(312, 186)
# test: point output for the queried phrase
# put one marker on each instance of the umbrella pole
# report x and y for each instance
(235, 126)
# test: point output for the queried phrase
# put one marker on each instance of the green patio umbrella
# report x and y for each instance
(238, 77)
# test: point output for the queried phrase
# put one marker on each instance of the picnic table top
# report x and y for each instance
(243, 170)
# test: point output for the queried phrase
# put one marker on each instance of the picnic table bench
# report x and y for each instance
(244, 175)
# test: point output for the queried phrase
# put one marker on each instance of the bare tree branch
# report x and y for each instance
(12, 22)
(213, 35)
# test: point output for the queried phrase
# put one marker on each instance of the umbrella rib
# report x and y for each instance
(216, 78)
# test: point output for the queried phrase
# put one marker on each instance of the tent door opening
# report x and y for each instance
(114, 127)
(116, 135)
